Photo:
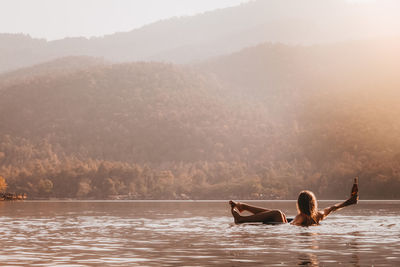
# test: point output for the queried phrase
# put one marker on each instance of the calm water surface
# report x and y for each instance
(192, 234)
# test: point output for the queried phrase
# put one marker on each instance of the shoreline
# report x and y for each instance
(192, 201)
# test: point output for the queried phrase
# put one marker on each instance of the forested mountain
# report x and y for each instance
(60, 66)
(189, 39)
(338, 102)
(264, 122)
(149, 114)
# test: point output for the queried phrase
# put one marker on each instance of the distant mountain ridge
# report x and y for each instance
(272, 69)
(60, 66)
(264, 122)
(196, 38)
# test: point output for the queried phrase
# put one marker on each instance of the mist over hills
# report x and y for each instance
(155, 111)
(65, 127)
(264, 122)
(270, 69)
(60, 66)
(190, 39)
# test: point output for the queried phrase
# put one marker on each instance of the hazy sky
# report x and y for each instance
(55, 19)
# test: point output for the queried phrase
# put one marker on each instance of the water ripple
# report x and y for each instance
(192, 234)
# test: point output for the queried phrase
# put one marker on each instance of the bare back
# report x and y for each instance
(302, 219)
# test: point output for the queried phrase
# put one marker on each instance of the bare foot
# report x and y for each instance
(236, 216)
(237, 205)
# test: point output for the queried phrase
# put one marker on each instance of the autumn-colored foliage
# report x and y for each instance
(160, 131)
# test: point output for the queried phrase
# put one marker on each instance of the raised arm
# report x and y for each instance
(351, 201)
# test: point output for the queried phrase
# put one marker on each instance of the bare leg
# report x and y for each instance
(272, 216)
(243, 206)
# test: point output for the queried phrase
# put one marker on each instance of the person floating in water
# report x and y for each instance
(307, 208)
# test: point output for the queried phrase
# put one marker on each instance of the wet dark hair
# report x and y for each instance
(307, 204)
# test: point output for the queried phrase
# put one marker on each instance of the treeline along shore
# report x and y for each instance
(12, 196)
(262, 123)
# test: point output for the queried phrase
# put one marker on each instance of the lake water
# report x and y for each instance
(100, 233)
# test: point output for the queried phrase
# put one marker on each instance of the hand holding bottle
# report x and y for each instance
(354, 193)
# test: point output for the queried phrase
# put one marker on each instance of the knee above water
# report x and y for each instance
(279, 214)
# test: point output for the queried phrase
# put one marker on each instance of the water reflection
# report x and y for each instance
(310, 240)
(310, 260)
(191, 234)
(355, 260)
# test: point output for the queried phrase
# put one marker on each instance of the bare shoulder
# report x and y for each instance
(298, 220)
(320, 215)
